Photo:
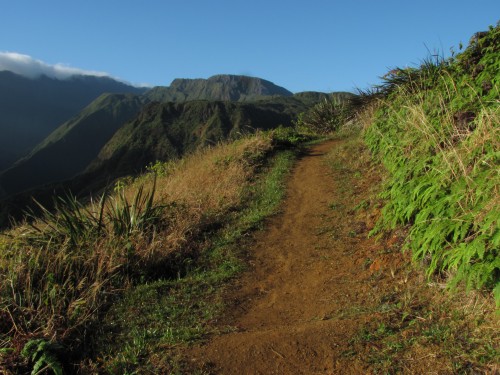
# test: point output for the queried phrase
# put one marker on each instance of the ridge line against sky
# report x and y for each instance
(303, 46)
(30, 67)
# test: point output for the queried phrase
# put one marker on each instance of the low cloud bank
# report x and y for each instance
(29, 67)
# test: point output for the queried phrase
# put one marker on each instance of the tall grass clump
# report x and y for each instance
(327, 116)
(62, 269)
(437, 131)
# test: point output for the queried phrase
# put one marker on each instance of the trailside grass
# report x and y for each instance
(109, 284)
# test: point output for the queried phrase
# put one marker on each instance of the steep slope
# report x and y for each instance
(440, 127)
(219, 87)
(168, 130)
(30, 109)
(69, 149)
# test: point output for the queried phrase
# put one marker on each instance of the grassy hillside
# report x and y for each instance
(437, 131)
(62, 272)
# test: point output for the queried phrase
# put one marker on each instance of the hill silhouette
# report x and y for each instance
(170, 121)
(30, 109)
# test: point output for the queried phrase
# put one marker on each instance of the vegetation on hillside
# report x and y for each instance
(61, 271)
(437, 130)
(328, 115)
(69, 149)
(223, 87)
(166, 131)
(406, 323)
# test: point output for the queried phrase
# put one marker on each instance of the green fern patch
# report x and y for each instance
(42, 354)
(437, 131)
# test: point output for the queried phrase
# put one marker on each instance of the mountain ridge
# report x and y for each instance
(164, 131)
(226, 87)
(68, 150)
(120, 134)
(31, 108)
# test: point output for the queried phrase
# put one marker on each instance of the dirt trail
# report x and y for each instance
(310, 282)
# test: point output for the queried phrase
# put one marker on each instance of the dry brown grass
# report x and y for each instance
(205, 186)
(365, 117)
(212, 180)
(55, 286)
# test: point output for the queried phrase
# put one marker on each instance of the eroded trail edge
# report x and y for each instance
(314, 278)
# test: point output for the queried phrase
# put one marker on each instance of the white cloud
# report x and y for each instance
(29, 67)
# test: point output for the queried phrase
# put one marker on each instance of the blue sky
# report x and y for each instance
(301, 45)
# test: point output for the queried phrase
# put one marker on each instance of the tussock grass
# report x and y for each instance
(327, 116)
(61, 271)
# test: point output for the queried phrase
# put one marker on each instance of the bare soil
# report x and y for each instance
(314, 280)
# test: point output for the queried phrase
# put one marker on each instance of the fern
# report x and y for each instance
(443, 165)
(42, 354)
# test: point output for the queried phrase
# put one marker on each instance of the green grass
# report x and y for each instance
(437, 132)
(413, 324)
(463, 337)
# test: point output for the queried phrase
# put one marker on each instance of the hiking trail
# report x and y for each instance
(313, 279)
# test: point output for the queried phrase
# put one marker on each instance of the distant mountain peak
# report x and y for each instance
(222, 78)
(225, 87)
